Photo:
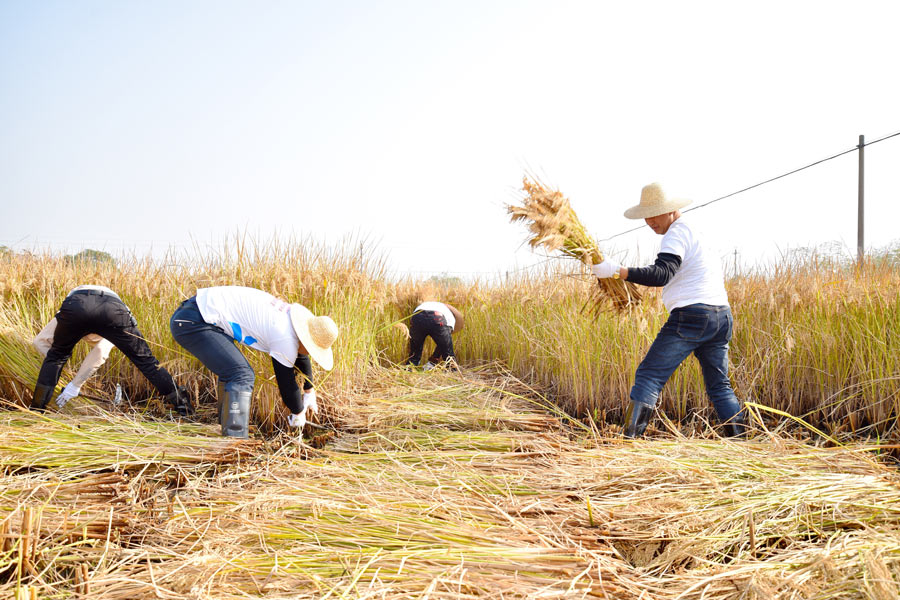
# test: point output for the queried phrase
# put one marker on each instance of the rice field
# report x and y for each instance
(506, 481)
(816, 339)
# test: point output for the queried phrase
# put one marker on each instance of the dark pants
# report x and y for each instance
(428, 323)
(93, 311)
(215, 348)
(699, 328)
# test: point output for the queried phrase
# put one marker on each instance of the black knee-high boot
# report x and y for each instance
(41, 397)
(637, 418)
(236, 414)
(180, 399)
(736, 426)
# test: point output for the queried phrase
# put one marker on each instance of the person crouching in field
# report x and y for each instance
(100, 349)
(208, 325)
(97, 314)
(699, 320)
(438, 321)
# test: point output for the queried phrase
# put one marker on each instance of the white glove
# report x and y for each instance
(309, 402)
(298, 420)
(69, 392)
(606, 269)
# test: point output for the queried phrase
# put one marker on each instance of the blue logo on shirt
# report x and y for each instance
(239, 334)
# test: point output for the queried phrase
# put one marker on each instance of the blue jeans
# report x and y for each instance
(704, 330)
(215, 348)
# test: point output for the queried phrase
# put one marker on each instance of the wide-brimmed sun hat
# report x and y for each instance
(317, 334)
(654, 203)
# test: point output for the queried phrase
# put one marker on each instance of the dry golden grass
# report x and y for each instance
(816, 339)
(438, 486)
(819, 341)
(444, 486)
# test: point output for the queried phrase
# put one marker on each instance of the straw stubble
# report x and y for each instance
(444, 486)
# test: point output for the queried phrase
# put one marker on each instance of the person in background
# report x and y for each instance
(208, 324)
(438, 321)
(94, 310)
(700, 320)
(100, 349)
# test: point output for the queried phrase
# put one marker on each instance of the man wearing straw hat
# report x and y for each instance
(208, 325)
(700, 319)
(97, 314)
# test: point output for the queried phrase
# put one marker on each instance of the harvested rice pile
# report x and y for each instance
(438, 486)
(555, 226)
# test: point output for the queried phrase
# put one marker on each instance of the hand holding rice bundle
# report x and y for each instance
(555, 226)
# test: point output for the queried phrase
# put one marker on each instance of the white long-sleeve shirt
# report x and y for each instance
(96, 357)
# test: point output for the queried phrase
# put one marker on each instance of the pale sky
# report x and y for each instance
(142, 126)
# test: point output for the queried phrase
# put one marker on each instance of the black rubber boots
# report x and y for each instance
(180, 401)
(41, 397)
(736, 426)
(637, 417)
(235, 414)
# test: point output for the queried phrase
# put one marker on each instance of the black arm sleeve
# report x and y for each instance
(659, 273)
(305, 365)
(287, 385)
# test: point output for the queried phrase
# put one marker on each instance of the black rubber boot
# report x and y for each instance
(180, 400)
(636, 419)
(736, 426)
(41, 397)
(236, 414)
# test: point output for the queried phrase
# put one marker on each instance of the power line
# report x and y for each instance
(771, 179)
(756, 185)
(181, 245)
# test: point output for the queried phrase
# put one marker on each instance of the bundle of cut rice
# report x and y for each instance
(555, 226)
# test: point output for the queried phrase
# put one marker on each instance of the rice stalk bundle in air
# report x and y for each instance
(555, 226)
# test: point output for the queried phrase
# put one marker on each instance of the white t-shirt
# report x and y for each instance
(441, 308)
(252, 317)
(699, 280)
(99, 288)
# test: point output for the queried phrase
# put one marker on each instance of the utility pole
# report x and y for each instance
(860, 215)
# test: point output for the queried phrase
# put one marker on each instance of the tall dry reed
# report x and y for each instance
(815, 338)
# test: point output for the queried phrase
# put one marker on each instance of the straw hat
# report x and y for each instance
(654, 203)
(317, 334)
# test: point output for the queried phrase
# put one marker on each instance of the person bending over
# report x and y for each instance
(100, 349)
(438, 321)
(210, 323)
(97, 313)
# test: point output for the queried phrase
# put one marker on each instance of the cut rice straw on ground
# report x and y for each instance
(447, 486)
(555, 226)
